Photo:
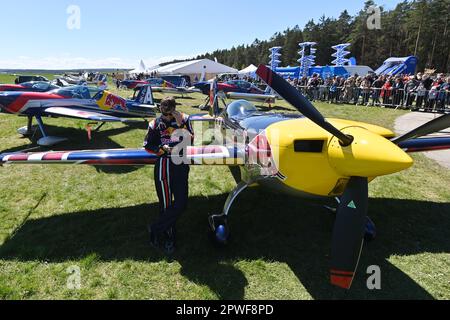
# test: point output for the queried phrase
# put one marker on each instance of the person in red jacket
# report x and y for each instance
(386, 91)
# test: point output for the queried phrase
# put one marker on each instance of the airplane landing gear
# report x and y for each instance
(220, 232)
(219, 223)
(29, 129)
(370, 231)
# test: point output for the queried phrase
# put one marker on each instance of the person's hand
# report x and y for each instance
(167, 149)
(178, 117)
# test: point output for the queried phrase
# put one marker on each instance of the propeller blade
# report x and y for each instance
(348, 233)
(433, 126)
(298, 101)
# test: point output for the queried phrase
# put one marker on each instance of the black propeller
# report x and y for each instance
(350, 222)
(433, 126)
(348, 233)
(298, 101)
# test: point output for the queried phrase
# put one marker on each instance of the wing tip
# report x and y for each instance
(264, 73)
(342, 279)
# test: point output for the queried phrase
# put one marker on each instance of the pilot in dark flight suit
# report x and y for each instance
(171, 180)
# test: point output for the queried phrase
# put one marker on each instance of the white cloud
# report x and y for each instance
(66, 62)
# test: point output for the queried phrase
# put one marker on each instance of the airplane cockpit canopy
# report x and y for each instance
(240, 109)
(39, 85)
(77, 92)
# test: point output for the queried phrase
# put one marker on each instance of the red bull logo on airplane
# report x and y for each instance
(110, 101)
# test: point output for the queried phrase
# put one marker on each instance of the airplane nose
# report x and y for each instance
(3, 102)
(370, 155)
(7, 99)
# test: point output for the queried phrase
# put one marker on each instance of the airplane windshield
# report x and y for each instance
(38, 85)
(240, 109)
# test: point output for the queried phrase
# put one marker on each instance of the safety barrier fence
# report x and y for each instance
(423, 100)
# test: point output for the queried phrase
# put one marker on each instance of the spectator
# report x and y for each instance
(365, 89)
(377, 85)
(445, 91)
(349, 86)
(333, 91)
(357, 90)
(386, 91)
(398, 92)
(410, 90)
(432, 97)
(421, 93)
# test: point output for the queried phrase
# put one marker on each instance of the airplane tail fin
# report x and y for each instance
(145, 95)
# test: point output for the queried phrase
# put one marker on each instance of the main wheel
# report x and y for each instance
(220, 232)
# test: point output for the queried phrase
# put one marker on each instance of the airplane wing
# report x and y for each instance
(251, 96)
(81, 114)
(180, 90)
(425, 144)
(202, 118)
(201, 155)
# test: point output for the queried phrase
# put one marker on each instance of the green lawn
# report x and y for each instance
(9, 78)
(52, 218)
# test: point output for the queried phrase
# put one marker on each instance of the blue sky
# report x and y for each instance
(120, 33)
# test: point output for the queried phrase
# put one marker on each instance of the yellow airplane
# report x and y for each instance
(308, 156)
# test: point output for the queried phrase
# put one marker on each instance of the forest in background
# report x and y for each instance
(419, 28)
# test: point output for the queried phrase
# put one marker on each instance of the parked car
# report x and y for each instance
(22, 79)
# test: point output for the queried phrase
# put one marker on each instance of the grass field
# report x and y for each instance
(53, 218)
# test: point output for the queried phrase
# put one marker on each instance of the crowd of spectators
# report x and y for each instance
(420, 92)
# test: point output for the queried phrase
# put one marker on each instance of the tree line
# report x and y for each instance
(419, 28)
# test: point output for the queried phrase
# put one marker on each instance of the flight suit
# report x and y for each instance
(171, 180)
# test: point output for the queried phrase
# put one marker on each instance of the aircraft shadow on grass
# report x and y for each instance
(78, 140)
(299, 235)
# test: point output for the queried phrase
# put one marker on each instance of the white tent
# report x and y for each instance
(249, 71)
(151, 69)
(140, 69)
(196, 68)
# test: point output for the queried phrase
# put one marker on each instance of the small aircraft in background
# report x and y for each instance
(159, 85)
(79, 102)
(154, 82)
(239, 89)
(98, 79)
(307, 156)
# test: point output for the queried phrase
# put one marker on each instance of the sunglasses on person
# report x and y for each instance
(167, 114)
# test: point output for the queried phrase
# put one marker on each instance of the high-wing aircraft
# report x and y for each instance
(79, 102)
(308, 156)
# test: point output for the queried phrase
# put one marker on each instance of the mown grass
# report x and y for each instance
(55, 217)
